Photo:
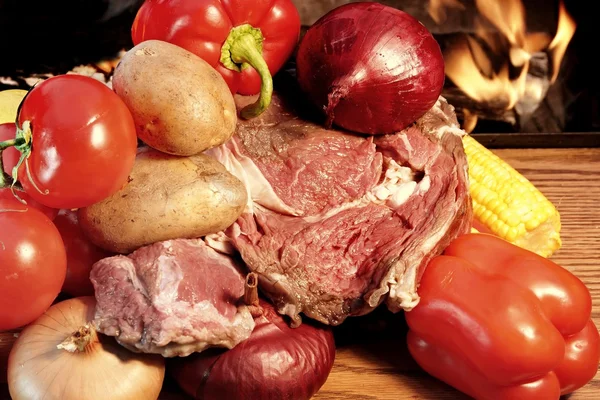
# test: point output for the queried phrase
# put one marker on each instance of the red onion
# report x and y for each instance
(276, 362)
(372, 68)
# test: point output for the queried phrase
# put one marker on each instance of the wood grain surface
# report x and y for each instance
(372, 362)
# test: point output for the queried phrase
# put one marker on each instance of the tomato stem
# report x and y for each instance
(21, 142)
(11, 143)
(5, 179)
(243, 48)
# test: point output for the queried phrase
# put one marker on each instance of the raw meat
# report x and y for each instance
(172, 298)
(337, 223)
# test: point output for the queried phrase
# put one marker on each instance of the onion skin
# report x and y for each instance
(373, 69)
(37, 369)
(277, 362)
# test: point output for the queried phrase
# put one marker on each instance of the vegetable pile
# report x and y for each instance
(89, 171)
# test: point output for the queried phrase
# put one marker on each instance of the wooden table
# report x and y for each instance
(372, 361)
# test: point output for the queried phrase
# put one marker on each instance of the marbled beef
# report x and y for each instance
(336, 222)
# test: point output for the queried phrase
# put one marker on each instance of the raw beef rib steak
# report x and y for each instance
(336, 222)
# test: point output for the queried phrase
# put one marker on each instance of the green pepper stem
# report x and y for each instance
(243, 47)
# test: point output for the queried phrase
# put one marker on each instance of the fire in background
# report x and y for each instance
(502, 64)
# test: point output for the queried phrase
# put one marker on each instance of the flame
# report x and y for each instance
(470, 121)
(463, 70)
(492, 64)
(437, 9)
(109, 65)
(537, 41)
(508, 16)
(564, 33)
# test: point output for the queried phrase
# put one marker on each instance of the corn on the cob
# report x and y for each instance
(508, 204)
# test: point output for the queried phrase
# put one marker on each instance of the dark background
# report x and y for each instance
(40, 36)
(54, 36)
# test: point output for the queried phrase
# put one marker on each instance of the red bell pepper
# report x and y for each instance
(481, 228)
(496, 321)
(230, 35)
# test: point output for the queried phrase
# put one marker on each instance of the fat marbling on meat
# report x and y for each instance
(337, 223)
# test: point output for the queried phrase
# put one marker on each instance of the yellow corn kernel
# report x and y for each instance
(508, 204)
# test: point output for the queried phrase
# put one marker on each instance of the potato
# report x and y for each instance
(180, 104)
(9, 104)
(166, 197)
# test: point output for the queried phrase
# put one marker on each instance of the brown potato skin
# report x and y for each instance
(167, 197)
(180, 104)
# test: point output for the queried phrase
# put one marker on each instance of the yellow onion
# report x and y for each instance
(60, 356)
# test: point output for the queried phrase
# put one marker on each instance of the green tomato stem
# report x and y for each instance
(243, 48)
(11, 143)
(5, 179)
(23, 143)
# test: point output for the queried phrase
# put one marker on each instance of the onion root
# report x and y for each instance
(79, 340)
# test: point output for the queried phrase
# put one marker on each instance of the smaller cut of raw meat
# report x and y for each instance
(172, 298)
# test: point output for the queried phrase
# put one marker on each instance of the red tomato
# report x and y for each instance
(83, 142)
(33, 264)
(81, 255)
(10, 157)
(7, 194)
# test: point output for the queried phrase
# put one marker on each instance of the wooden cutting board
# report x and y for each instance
(372, 362)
